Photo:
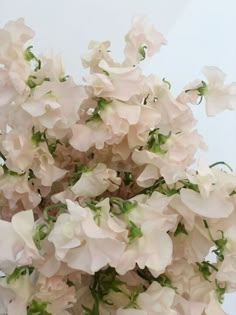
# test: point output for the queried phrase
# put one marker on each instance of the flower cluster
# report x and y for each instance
(101, 210)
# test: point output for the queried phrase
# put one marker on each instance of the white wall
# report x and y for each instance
(200, 32)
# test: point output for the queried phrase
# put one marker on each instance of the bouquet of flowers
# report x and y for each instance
(101, 209)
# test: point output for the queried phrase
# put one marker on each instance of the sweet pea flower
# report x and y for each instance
(216, 205)
(99, 83)
(81, 240)
(218, 95)
(185, 307)
(93, 134)
(97, 51)
(126, 81)
(214, 306)
(157, 300)
(154, 209)
(13, 36)
(16, 295)
(55, 106)
(175, 156)
(19, 247)
(153, 250)
(94, 182)
(120, 116)
(17, 191)
(141, 37)
(56, 293)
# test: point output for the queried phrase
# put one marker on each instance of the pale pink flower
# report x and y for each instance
(227, 272)
(131, 311)
(142, 36)
(17, 295)
(100, 84)
(96, 181)
(216, 205)
(17, 189)
(55, 106)
(185, 307)
(157, 300)
(57, 293)
(204, 177)
(189, 93)
(153, 250)
(83, 244)
(13, 36)
(218, 96)
(18, 149)
(94, 133)
(180, 149)
(97, 51)
(120, 116)
(154, 209)
(214, 306)
(126, 81)
(44, 168)
(175, 116)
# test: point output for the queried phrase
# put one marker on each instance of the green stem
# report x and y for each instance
(221, 163)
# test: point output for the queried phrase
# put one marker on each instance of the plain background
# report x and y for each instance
(199, 33)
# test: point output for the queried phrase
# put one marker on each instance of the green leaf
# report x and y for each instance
(206, 269)
(220, 246)
(134, 231)
(220, 291)
(40, 233)
(101, 105)
(180, 229)
(128, 178)
(97, 211)
(18, 272)
(133, 297)
(30, 82)
(142, 52)
(64, 78)
(163, 280)
(156, 140)
(38, 308)
(124, 206)
(38, 136)
(202, 89)
(28, 55)
(52, 218)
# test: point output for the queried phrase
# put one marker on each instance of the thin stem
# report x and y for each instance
(221, 163)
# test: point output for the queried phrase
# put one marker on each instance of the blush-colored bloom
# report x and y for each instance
(56, 293)
(216, 205)
(142, 36)
(219, 96)
(93, 183)
(214, 306)
(153, 250)
(81, 243)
